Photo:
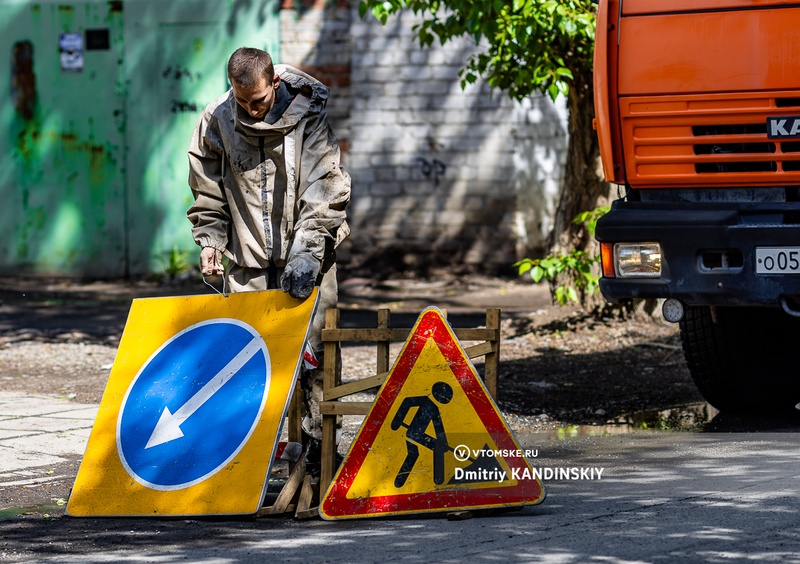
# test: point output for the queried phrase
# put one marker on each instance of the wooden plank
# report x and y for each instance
(365, 335)
(479, 350)
(382, 361)
(344, 408)
(306, 493)
(477, 334)
(307, 514)
(373, 335)
(354, 387)
(295, 429)
(332, 316)
(383, 335)
(289, 489)
(328, 455)
(330, 381)
(492, 362)
(357, 386)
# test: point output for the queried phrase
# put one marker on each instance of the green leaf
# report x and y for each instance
(572, 295)
(581, 217)
(537, 273)
(548, 262)
(564, 72)
(553, 91)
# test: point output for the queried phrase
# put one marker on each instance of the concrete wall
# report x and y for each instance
(95, 179)
(441, 176)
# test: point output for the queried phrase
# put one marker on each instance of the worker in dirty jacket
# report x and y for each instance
(270, 193)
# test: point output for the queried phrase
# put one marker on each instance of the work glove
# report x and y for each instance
(300, 275)
(211, 262)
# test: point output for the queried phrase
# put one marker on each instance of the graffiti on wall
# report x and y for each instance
(434, 169)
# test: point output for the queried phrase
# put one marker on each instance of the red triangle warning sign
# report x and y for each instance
(433, 441)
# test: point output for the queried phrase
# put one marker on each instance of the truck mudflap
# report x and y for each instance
(709, 252)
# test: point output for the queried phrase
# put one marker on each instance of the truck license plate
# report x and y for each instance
(778, 260)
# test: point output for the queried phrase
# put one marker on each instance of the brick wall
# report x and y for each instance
(315, 37)
(441, 176)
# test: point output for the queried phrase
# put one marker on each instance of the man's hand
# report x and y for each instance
(300, 275)
(211, 262)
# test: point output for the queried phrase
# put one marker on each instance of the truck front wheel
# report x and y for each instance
(743, 359)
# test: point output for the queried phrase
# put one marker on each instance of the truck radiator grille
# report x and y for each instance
(710, 140)
(743, 149)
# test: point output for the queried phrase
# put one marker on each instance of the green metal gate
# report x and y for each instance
(103, 97)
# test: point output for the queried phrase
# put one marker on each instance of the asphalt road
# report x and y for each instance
(730, 493)
(661, 497)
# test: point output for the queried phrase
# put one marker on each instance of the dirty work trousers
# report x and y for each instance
(242, 279)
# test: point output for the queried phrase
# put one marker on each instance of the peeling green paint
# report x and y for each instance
(66, 16)
(95, 183)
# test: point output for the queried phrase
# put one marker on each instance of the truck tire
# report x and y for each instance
(743, 359)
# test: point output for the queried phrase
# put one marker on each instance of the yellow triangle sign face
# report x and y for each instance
(192, 411)
(433, 441)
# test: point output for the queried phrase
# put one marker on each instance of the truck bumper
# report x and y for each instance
(708, 254)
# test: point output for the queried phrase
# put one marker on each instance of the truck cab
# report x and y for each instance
(697, 108)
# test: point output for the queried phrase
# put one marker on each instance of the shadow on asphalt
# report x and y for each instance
(99, 310)
(621, 383)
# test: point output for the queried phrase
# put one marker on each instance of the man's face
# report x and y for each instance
(259, 99)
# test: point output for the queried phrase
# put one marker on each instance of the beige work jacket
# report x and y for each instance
(265, 192)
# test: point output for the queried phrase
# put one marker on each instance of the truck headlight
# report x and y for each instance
(637, 260)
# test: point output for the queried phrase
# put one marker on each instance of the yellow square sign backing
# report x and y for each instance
(190, 417)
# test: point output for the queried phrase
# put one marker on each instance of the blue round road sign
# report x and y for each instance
(194, 404)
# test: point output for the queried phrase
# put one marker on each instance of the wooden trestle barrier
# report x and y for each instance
(383, 336)
(333, 390)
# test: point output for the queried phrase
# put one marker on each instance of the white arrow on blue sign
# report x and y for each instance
(194, 404)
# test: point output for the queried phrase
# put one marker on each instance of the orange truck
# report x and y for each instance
(698, 119)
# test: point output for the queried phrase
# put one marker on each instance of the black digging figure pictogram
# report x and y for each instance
(427, 413)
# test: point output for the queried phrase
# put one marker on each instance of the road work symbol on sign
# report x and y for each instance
(433, 440)
(191, 415)
(427, 413)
